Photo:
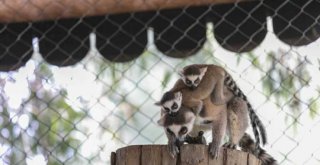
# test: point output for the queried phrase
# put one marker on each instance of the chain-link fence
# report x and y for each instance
(112, 68)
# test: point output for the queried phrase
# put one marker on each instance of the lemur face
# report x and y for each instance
(170, 103)
(192, 76)
(172, 106)
(178, 126)
(191, 81)
(178, 131)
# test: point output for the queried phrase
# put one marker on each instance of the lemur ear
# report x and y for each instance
(161, 121)
(157, 103)
(177, 94)
(203, 71)
(181, 73)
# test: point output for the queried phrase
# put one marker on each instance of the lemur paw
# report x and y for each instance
(230, 145)
(214, 151)
(173, 150)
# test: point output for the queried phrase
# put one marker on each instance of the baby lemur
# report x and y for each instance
(187, 122)
(199, 77)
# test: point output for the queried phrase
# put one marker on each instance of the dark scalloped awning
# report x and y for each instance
(178, 33)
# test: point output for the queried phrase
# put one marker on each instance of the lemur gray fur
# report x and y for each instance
(211, 117)
(248, 145)
(198, 77)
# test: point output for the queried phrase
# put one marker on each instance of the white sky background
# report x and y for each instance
(302, 147)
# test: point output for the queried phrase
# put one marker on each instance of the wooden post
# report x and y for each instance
(36, 10)
(190, 154)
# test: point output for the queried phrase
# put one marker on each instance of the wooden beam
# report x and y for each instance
(37, 10)
(190, 154)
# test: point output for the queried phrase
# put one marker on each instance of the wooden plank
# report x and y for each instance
(121, 155)
(36, 10)
(129, 155)
(151, 155)
(219, 160)
(195, 154)
(166, 157)
(252, 160)
(190, 154)
(235, 157)
(113, 158)
(133, 155)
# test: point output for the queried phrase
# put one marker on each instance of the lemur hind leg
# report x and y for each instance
(237, 121)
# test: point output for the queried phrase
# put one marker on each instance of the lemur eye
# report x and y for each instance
(188, 82)
(183, 130)
(166, 109)
(169, 131)
(197, 80)
(174, 106)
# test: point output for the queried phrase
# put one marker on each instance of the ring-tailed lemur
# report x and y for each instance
(216, 118)
(248, 145)
(198, 76)
(177, 127)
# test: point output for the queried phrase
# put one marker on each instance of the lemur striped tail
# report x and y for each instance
(247, 145)
(255, 121)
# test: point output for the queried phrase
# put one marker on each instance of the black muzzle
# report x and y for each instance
(173, 114)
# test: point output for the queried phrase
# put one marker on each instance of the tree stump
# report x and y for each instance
(190, 154)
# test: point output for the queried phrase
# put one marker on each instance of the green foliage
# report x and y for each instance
(283, 80)
(314, 106)
(166, 78)
(51, 120)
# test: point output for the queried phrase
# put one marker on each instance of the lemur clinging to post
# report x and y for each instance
(233, 121)
(177, 127)
(186, 123)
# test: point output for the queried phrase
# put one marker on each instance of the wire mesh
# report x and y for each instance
(73, 90)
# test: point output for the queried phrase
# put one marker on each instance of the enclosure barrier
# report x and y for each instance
(36, 10)
(190, 154)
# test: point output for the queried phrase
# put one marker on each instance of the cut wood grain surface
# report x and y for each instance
(190, 154)
(36, 10)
